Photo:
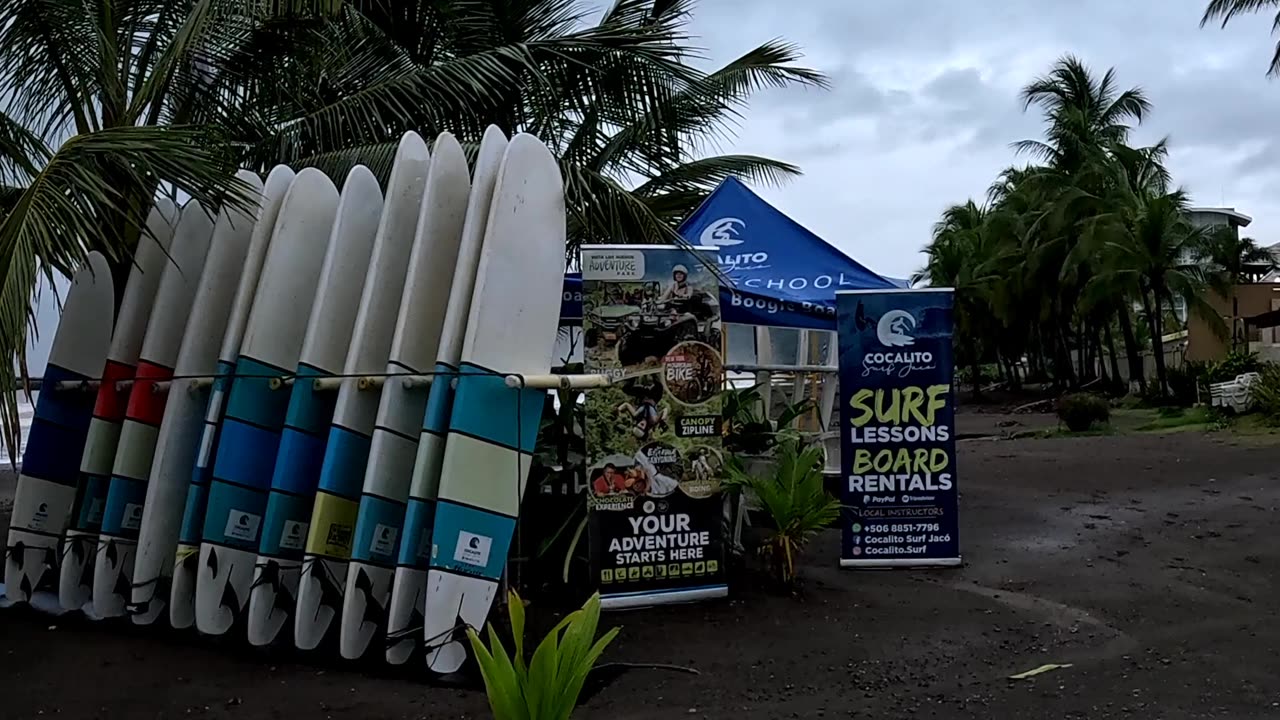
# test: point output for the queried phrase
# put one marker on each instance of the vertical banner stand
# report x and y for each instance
(652, 324)
(897, 428)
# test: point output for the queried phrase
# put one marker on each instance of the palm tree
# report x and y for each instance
(1087, 118)
(615, 98)
(1227, 10)
(101, 113)
(1153, 246)
(1235, 259)
(961, 256)
(140, 96)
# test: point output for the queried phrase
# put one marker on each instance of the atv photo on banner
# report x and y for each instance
(652, 322)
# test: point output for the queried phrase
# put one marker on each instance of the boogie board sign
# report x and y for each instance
(897, 444)
(652, 321)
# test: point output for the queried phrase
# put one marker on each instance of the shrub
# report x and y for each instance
(1081, 411)
(795, 499)
(1183, 381)
(547, 686)
(1237, 362)
(1264, 393)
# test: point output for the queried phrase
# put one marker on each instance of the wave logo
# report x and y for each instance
(894, 329)
(723, 233)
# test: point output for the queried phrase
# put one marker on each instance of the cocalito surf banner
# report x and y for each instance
(652, 322)
(897, 447)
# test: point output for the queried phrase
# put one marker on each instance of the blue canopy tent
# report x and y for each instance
(780, 274)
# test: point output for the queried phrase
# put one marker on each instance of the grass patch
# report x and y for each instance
(1181, 420)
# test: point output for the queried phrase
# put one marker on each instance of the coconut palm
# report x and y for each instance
(112, 100)
(1227, 10)
(100, 114)
(616, 99)
(963, 256)
(1234, 259)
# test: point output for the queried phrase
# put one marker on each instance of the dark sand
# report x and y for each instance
(1150, 563)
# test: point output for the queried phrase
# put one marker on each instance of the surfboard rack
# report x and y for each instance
(822, 369)
(409, 382)
(559, 382)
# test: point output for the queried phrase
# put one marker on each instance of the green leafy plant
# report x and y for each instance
(795, 501)
(1081, 411)
(750, 430)
(1237, 362)
(1264, 393)
(548, 685)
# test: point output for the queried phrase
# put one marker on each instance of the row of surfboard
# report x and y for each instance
(265, 484)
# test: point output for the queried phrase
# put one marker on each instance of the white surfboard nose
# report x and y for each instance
(455, 602)
(111, 576)
(319, 601)
(219, 572)
(406, 614)
(75, 585)
(272, 599)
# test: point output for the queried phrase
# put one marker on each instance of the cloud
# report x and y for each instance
(924, 104)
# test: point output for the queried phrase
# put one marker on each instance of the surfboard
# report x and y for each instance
(51, 461)
(410, 581)
(126, 494)
(307, 419)
(515, 311)
(347, 449)
(179, 435)
(75, 583)
(394, 444)
(183, 589)
(250, 432)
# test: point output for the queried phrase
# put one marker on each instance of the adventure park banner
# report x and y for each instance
(897, 448)
(651, 321)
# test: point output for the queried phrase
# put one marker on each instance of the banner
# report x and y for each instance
(780, 274)
(897, 416)
(652, 322)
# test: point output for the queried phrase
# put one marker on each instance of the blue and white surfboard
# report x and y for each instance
(492, 428)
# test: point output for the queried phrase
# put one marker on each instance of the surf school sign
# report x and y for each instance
(652, 321)
(897, 447)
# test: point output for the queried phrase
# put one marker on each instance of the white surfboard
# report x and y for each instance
(182, 591)
(76, 578)
(306, 424)
(51, 460)
(432, 268)
(250, 433)
(408, 592)
(515, 310)
(179, 436)
(113, 567)
(347, 449)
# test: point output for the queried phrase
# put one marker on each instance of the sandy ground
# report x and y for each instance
(1148, 563)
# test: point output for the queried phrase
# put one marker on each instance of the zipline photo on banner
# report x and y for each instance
(897, 447)
(654, 463)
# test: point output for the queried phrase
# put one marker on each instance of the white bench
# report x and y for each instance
(1233, 394)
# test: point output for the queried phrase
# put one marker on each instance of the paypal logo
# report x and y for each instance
(894, 329)
(723, 233)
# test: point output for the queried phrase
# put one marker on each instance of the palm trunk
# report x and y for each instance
(975, 366)
(1114, 356)
(1156, 320)
(1136, 372)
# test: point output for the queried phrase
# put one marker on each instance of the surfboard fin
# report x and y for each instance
(229, 599)
(18, 554)
(374, 612)
(212, 562)
(110, 553)
(121, 588)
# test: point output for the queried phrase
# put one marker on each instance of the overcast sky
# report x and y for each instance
(924, 104)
